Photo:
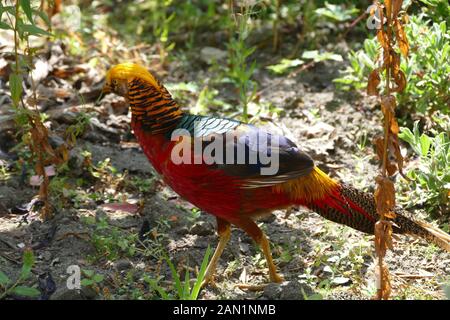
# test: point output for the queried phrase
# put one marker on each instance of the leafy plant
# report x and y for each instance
(22, 19)
(338, 13)
(426, 70)
(183, 289)
(9, 287)
(361, 63)
(431, 177)
(91, 279)
(162, 22)
(240, 71)
(110, 241)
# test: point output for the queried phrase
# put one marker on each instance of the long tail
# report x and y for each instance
(352, 207)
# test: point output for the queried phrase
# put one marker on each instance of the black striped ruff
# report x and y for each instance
(153, 107)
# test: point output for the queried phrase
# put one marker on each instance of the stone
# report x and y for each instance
(123, 264)
(202, 228)
(289, 290)
(211, 54)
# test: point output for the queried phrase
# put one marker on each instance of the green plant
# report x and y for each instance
(207, 99)
(361, 63)
(240, 71)
(82, 120)
(426, 70)
(9, 287)
(284, 65)
(91, 278)
(4, 172)
(195, 213)
(183, 290)
(22, 19)
(162, 22)
(431, 177)
(447, 290)
(143, 185)
(110, 241)
(337, 13)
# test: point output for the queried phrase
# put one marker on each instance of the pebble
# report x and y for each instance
(123, 264)
(289, 290)
(211, 54)
(202, 228)
(67, 294)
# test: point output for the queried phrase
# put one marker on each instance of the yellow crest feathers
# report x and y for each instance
(128, 71)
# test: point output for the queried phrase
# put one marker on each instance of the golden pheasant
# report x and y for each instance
(237, 191)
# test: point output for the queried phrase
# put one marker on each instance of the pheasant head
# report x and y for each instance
(150, 103)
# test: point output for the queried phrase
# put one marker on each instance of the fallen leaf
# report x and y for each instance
(123, 206)
(65, 73)
(36, 180)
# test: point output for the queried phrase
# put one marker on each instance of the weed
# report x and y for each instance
(426, 70)
(91, 278)
(182, 289)
(431, 177)
(240, 71)
(9, 287)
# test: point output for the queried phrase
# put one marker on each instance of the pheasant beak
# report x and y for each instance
(106, 88)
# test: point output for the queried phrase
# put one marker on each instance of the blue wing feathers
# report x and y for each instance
(257, 142)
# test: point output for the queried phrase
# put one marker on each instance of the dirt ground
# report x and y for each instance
(318, 258)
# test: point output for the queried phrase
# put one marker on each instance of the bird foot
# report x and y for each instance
(260, 287)
(276, 278)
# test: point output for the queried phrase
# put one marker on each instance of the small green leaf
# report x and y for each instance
(26, 7)
(88, 273)
(87, 282)
(15, 85)
(406, 135)
(315, 296)
(284, 65)
(44, 17)
(28, 262)
(447, 290)
(154, 284)
(98, 278)
(4, 279)
(33, 30)
(201, 274)
(26, 291)
(4, 25)
(425, 143)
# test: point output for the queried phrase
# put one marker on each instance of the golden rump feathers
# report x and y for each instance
(314, 186)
